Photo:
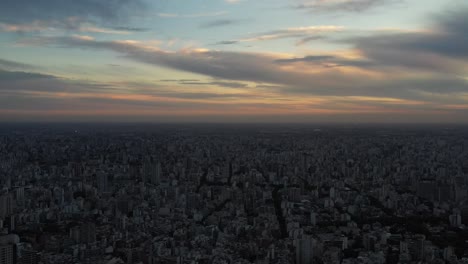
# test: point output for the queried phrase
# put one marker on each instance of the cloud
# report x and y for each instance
(443, 48)
(210, 83)
(306, 40)
(303, 34)
(269, 69)
(179, 80)
(217, 83)
(307, 59)
(32, 95)
(6, 76)
(20, 81)
(386, 71)
(94, 29)
(71, 24)
(200, 95)
(227, 42)
(331, 61)
(7, 64)
(296, 32)
(26, 15)
(194, 15)
(230, 84)
(342, 5)
(17, 83)
(35, 26)
(218, 23)
(130, 29)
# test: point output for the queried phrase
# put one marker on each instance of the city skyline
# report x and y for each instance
(353, 61)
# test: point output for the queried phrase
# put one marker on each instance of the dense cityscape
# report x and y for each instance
(233, 131)
(233, 194)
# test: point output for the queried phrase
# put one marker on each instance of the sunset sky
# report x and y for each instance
(234, 60)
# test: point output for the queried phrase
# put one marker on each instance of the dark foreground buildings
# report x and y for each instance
(233, 194)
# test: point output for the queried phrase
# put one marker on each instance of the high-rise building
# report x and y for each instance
(8, 245)
(102, 182)
(305, 250)
(416, 247)
(88, 233)
(455, 219)
(151, 171)
(19, 193)
(313, 218)
(29, 256)
(156, 173)
(75, 234)
(6, 205)
(427, 189)
(7, 254)
(124, 204)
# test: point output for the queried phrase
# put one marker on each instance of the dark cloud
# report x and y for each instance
(103, 11)
(230, 84)
(217, 64)
(453, 21)
(342, 6)
(201, 95)
(307, 59)
(21, 76)
(330, 61)
(227, 42)
(17, 81)
(443, 48)
(13, 65)
(180, 80)
(217, 83)
(34, 91)
(130, 29)
(306, 40)
(416, 50)
(218, 23)
(199, 82)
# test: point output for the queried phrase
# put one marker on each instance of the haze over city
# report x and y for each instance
(382, 61)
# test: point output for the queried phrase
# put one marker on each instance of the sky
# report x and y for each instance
(353, 61)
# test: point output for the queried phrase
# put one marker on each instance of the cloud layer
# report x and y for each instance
(392, 73)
